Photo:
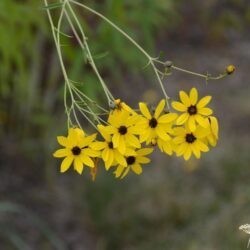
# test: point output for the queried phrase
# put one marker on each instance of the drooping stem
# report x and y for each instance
(149, 58)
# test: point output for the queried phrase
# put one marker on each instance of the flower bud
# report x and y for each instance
(230, 69)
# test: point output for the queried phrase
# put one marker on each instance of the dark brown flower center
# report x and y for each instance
(76, 150)
(190, 138)
(110, 144)
(122, 130)
(192, 110)
(153, 123)
(130, 160)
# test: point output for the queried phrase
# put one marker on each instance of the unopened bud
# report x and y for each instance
(230, 69)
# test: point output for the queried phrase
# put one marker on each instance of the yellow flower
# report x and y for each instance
(190, 142)
(76, 150)
(156, 125)
(193, 111)
(134, 163)
(123, 128)
(109, 154)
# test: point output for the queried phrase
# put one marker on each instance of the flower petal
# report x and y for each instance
(167, 118)
(145, 151)
(119, 171)
(98, 145)
(78, 165)
(202, 121)
(182, 119)
(105, 154)
(162, 133)
(179, 106)
(202, 146)
(143, 160)
(191, 123)
(184, 98)
(196, 151)
(62, 140)
(214, 126)
(204, 101)
(87, 161)
(144, 110)
(205, 111)
(188, 153)
(125, 172)
(62, 153)
(159, 108)
(133, 141)
(120, 158)
(66, 163)
(193, 96)
(137, 168)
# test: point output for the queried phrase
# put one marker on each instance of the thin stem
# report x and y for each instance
(151, 61)
(85, 47)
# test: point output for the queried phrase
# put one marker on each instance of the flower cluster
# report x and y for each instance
(129, 136)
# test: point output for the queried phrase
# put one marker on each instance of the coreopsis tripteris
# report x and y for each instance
(126, 131)
(134, 162)
(76, 150)
(123, 128)
(190, 142)
(156, 125)
(193, 111)
(109, 154)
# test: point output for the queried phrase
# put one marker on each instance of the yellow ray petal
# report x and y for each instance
(182, 119)
(137, 168)
(98, 145)
(110, 160)
(120, 158)
(184, 98)
(145, 151)
(188, 153)
(205, 111)
(116, 140)
(78, 166)
(196, 151)
(191, 123)
(119, 171)
(203, 102)
(103, 131)
(87, 161)
(62, 140)
(91, 152)
(122, 145)
(142, 159)
(201, 146)
(179, 106)
(105, 154)
(125, 172)
(162, 133)
(159, 108)
(193, 96)
(180, 150)
(202, 121)
(66, 163)
(167, 118)
(214, 126)
(62, 153)
(144, 110)
(133, 141)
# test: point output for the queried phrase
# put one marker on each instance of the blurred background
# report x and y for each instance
(173, 204)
